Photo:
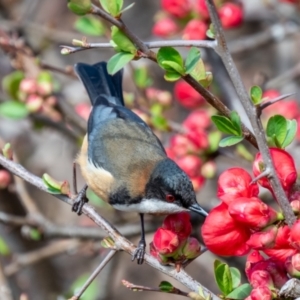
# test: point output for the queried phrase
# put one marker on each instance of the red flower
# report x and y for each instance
(197, 120)
(282, 249)
(201, 8)
(223, 235)
(179, 224)
(260, 293)
(165, 241)
(295, 235)
(195, 30)
(263, 239)
(292, 265)
(28, 86)
(190, 164)
(284, 167)
(177, 8)
(235, 183)
(231, 15)
(187, 96)
(165, 27)
(5, 179)
(181, 145)
(261, 278)
(252, 212)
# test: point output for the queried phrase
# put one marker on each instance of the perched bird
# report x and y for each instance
(123, 161)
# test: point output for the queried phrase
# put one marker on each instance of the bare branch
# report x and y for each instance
(5, 291)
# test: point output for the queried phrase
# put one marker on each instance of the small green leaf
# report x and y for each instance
(113, 7)
(108, 243)
(91, 293)
(236, 121)
(11, 83)
(211, 33)
(166, 286)
(171, 55)
(13, 110)
(277, 129)
(291, 133)
(223, 278)
(4, 249)
(244, 152)
(127, 8)
(141, 77)
(206, 82)
(214, 138)
(156, 109)
(52, 184)
(230, 141)
(171, 65)
(160, 122)
(236, 277)
(80, 7)
(35, 234)
(256, 94)
(7, 151)
(172, 76)
(118, 61)
(224, 125)
(198, 71)
(122, 41)
(241, 292)
(192, 59)
(89, 25)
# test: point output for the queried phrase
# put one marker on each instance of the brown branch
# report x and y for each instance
(120, 241)
(5, 291)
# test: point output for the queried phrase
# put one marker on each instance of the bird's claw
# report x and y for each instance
(139, 253)
(79, 201)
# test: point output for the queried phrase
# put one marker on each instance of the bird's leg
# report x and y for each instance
(139, 252)
(81, 198)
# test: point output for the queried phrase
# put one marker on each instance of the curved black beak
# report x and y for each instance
(198, 209)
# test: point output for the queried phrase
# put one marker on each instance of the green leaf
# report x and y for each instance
(7, 151)
(80, 7)
(291, 132)
(113, 7)
(236, 121)
(11, 83)
(127, 8)
(91, 292)
(217, 263)
(4, 249)
(211, 33)
(206, 82)
(236, 277)
(13, 110)
(166, 286)
(169, 54)
(244, 152)
(118, 61)
(171, 65)
(224, 125)
(277, 129)
(172, 76)
(241, 292)
(256, 94)
(89, 25)
(141, 77)
(198, 71)
(214, 138)
(52, 184)
(192, 59)
(35, 234)
(223, 278)
(160, 122)
(230, 141)
(108, 243)
(122, 41)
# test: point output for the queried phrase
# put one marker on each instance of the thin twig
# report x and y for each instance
(222, 50)
(120, 241)
(5, 291)
(104, 262)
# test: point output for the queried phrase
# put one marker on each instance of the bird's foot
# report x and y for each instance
(79, 201)
(139, 252)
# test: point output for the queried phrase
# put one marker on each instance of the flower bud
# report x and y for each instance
(165, 27)
(261, 293)
(284, 166)
(292, 265)
(165, 241)
(195, 30)
(44, 88)
(179, 223)
(5, 179)
(28, 86)
(181, 145)
(231, 15)
(295, 204)
(160, 96)
(263, 239)
(177, 8)
(261, 278)
(34, 103)
(190, 164)
(209, 169)
(295, 235)
(197, 119)
(235, 183)
(252, 212)
(83, 110)
(201, 8)
(192, 248)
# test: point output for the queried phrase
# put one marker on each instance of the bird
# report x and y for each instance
(123, 161)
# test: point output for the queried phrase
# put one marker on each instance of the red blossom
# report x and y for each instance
(284, 167)
(263, 239)
(190, 164)
(235, 183)
(231, 15)
(223, 235)
(260, 293)
(197, 120)
(179, 224)
(292, 265)
(187, 96)
(5, 179)
(165, 241)
(177, 8)
(28, 86)
(181, 145)
(252, 212)
(165, 27)
(202, 9)
(195, 30)
(282, 249)
(295, 235)
(261, 278)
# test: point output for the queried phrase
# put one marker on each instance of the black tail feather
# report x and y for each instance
(97, 82)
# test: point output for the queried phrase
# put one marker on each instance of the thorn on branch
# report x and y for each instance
(265, 173)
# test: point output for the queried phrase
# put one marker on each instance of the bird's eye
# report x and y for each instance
(170, 198)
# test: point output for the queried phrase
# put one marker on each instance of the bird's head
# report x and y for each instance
(169, 190)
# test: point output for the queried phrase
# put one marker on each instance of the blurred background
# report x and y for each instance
(43, 254)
